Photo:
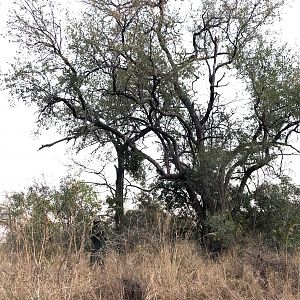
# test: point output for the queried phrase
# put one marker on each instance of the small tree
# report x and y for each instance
(75, 204)
(28, 224)
(274, 213)
(43, 219)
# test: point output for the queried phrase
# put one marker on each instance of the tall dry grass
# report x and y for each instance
(166, 271)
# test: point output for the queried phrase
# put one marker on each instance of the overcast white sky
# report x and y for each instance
(20, 161)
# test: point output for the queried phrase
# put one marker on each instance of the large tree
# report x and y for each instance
(151, 78)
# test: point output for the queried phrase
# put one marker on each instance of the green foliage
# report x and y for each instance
(151, 224)
(134, 164)
(28, 218)
(142, 75)
(146, 213)
(42, 218)
(273, 211)
(174, 197)
(76, 203)
(273, 75)
(223, 232)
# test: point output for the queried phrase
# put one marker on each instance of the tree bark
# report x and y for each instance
(119, 194)
(199, 209)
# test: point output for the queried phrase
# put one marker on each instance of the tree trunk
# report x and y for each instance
(199, 209)
(119, 195)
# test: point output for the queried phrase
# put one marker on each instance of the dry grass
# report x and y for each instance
(167, 272)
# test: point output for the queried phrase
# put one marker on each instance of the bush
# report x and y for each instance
(44, 219)
(223, 232)
(273, 211)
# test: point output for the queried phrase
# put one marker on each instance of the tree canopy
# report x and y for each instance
(203, 96)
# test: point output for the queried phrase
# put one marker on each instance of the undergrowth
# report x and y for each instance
(177, 270)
